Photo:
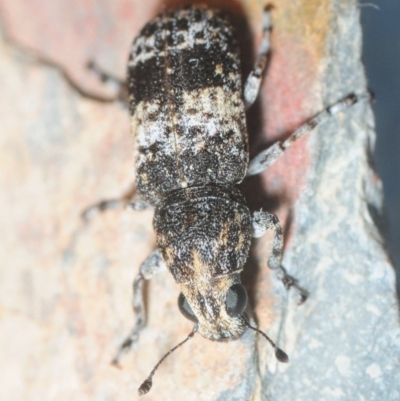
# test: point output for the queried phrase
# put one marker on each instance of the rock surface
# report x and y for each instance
(65, 289)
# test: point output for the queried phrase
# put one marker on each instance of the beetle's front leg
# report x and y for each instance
(261, 222)
(152, 265)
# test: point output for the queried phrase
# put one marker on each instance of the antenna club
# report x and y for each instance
(281, 356)
(145, 387)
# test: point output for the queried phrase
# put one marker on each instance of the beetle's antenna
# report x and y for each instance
(146, 385)
(280, 355)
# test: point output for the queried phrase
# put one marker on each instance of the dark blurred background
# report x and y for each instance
(381, 55)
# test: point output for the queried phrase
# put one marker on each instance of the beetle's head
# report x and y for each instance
(216, 306)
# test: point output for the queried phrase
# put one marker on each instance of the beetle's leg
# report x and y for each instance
(135, 204)
(152, 265)
(127, 200)
(119, 86)
(253, 82)
(265, 158)
(35, 57)
(261, 222)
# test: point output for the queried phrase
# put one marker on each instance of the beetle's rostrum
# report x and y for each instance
(204, 235)
(188, 117)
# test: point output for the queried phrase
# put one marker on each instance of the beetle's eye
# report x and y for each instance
(236, 300)
(185, 308)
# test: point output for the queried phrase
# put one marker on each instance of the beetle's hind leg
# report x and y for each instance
(261, 222)
(33, 56)
(253, 82)
(119, 86)
(151, 266)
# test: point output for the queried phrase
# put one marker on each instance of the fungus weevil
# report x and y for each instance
(188, 117)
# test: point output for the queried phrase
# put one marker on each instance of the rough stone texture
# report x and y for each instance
(65, 289)
(344, 341)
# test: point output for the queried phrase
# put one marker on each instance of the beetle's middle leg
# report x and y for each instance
(265, 158)
(261, 222)
(127, 200)
(151, 266)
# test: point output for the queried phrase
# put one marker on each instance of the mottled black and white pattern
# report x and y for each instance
(186, 102)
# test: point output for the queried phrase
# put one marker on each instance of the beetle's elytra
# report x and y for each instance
(186, 103)
(188, 117)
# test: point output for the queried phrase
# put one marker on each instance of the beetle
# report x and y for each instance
(188, 116)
